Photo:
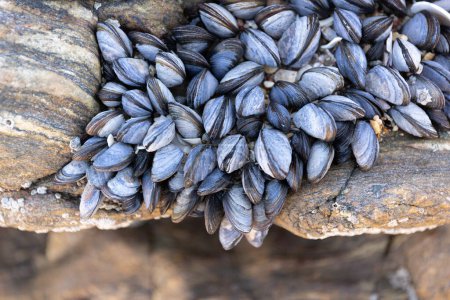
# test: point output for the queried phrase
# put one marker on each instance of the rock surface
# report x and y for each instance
(50, 72)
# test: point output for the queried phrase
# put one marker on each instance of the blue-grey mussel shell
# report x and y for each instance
(245, 74)
(225, 56)
(238, 209)
(112, 41)
(193, 61)
(356, 6)
(123, 186)
(273, 153)
(438, 118)
(274, 19)
(201, 161)
(160, 134)
(147, 44)
(443, 45)
(398, 7)
(295, 175)
(166, 162)
(135, 103)
(288, 94)
(228, 235)
(347, 25)
(365, 145)
(260, 48)
(301, 143)
(319, 82)
(319, 161)
(232, 153)
(249, 127)
(300, 41)
(188, 123)
(342, 143)
(111, 93)
(73, 171)
(90, 201)
(412, 119)
(192, 37)
(405, 56)
(274, 197)
(96, 178)
(377, 28)
(423, 30)
(342, 108)
(372, 106)
(90, 148)
(215, 182)
(307, 7)
(438, 74)
(115, 158)
(279, 117)
(387, 83)
(213, 212)
(131, 71)
(250, 102)
(352, 63)
(218, 20)
(184, 204)
(133, 130)
(201, 88)
(141, 163)
(316, 122)
(253, 182)
(105, 123)
(169, 69)
(425, 93)
(244, 9)
(218, 117)
(159, 95)
(151, 191)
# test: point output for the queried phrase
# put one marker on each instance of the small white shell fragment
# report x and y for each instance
(332, 43)
(268, 84)
(110, 140)
(41, 190)
(440, 13)
(285, 75)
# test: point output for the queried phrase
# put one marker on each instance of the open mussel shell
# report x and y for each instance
(170, 69)
(377, 28)
(159, 95)
(253, 182)
(319, 161)
(301, 143)
(166, 162)
(105, 123)
(365, 145)
(218, 20)
(425, 93)
(347, 25)
(111, 93)
(249, 127)
(274, 198)
(213, 212)
(300, 41)
(72, 172)
(387, 83)
(229, 236)
(160, 134)
(131, 71)
(246, 9)
(90, 201)
(356, 6)
(96, 178)
(274, 19)
(405, 56)
(438, 74)
(260, 48)
(322, 8)
(319, 82)
(316, 122)
(422, 30)
(245, 74)
(288, 94)
(123, 186)
(397, 7)
(218, 117)
(147, 44)
(225, 56)
(273, 153)
(250, 102)
(115, 158)
(192, 37)
(187, 122)
(279, 117)
(193, 61)
(135, 103)
(412, 119)
(295, 175)
(232, 153)
(439, 119)
(342, 143)
(112, 41)
(352, 63)
(342, 108)
(238, 209)
(201, 161)
(151, 191)
(90, 148)
(215, 182)
(201, 88)
(370, 105)
(184, 204)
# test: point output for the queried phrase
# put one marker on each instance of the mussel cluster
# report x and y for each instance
(203, 123)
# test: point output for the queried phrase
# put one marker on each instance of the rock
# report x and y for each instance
(50, 72)
(154, 16)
